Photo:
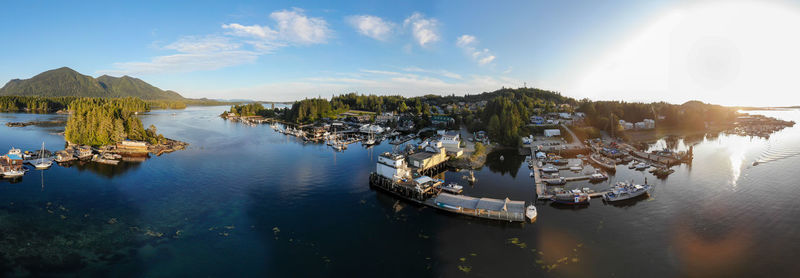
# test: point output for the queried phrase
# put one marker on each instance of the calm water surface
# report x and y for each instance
(246, 201)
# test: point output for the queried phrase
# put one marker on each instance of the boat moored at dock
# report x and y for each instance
(625, 191)
(574, 197)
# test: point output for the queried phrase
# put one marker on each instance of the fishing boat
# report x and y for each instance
(10, 174)
(453, 188)
(42, 163)
(624, 191)
(574, 197)
(550, 169)
(556, 181)
(15, 151)
(531, 213)
(598, 177)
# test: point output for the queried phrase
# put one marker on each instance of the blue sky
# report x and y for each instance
(287, 50)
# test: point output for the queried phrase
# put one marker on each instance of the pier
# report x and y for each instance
(487, 208)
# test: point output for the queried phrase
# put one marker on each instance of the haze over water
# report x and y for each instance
(247, 201)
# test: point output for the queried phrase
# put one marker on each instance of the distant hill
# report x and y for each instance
(68, 82)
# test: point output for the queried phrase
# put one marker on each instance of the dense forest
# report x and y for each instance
(692, 115)
(34, 104)
(97, 122)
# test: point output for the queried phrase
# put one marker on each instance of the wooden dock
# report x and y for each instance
(541, 186)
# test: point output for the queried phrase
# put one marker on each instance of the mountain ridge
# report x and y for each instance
(65, 81)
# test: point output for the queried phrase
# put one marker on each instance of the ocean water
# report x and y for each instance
(245, 201)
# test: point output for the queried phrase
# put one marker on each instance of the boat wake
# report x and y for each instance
(775, 154)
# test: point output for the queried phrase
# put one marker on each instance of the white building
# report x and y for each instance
(451, 141)
(649, 124)
(627, 125)
(392, 166)
(552, 132)
(639, 125)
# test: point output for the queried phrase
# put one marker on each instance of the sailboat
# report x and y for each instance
(42, 163)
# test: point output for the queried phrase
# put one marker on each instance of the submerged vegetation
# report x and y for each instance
(98, 122)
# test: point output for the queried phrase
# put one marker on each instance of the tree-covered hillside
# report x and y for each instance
(97, 122)
(65, 82)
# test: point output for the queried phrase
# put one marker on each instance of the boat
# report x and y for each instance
(598, 177)
(642, 166)
(532, 174)
(624, 191)
(15, 151)
(453, 188)
(602, 162)
(574, 197)
(41, 163)
(502, 158)
(576, 168)
(531, 213)
(471, 177)
(550, 169)
(556, 181)
(10, 174)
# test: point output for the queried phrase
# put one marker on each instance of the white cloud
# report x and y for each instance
(424, 30)
(242, 44)
(371, 26)
(296, 27)
(257, 31)
(444, 73)
(469, 44)
(381, 82)
(195, 44)
(185, 62)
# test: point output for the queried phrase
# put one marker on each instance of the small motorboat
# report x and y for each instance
(11, 174)
(531, 213)
(598, 177)
(574, 197)
(453, 188)
(550, 169)
(556, 181)
(642, 166)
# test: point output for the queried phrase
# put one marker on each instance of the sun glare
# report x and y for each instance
(739, 53)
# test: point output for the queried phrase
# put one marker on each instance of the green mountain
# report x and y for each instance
(67, 82)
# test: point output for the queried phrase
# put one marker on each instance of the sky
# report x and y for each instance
(723, 52)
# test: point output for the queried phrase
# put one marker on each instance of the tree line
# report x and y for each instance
(99, 122)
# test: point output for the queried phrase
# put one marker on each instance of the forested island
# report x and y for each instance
(506, 114)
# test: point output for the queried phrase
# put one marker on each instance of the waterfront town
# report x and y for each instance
(428, 144)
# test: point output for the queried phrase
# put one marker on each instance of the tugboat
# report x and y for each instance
(574, 197)
(624, 191)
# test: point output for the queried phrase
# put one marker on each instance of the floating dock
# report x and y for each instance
(487, 208)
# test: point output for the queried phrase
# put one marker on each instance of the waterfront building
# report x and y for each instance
(432, 156)
(442, 120)
(552, 132)
(392, 166)
(10, 162)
